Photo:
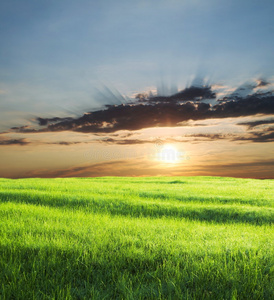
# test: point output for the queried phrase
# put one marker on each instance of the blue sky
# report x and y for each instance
(54, 53)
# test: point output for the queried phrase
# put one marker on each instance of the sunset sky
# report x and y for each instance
(136, 88)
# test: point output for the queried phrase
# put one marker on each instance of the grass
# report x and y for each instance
(137, 238)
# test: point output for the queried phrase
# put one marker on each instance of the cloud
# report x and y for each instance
(161, 111)
(213, 136)
(125, 141)
(244, 106)
(262, 83)
(253, 124)
(46, 121)
(192, 93)
(64, 143)
(96, 169)
(257, 137)
(144, 167)
(192, 123)
(21, 142)
(156, 141)
(134, 117)
(131, 117)
(24, 129)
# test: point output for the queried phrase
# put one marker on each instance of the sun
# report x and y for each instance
(168, 154)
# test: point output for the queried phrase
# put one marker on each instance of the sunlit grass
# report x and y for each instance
(136, 238)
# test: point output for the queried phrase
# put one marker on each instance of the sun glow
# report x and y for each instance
(168, 154)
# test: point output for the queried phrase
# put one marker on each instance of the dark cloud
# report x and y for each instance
(156, 141)
(159, 142)
(257, 137)
(19, 128)
(262, 82)
(253, 124)
(125, 141)
(235, 96)
(246, 106)
(46, 121)
(192, 93)
(134, 117)
(20, 142)
(213, 136)
(170, 111)
(66, 143)
(24, 129)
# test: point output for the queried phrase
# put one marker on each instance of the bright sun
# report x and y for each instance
(168, 154)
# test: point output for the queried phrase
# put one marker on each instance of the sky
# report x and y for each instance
(136, 88)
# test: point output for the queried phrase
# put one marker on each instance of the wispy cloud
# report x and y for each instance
(143, 167)
(257, 137)
(252, 124)
(49, 121)
(6, 142)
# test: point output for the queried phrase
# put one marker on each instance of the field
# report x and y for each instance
(137, 238)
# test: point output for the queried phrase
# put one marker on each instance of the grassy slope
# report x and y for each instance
(136, 238)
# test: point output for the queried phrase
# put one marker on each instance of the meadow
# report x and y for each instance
(137, 238)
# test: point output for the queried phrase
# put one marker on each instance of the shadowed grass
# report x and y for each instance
(148, 208)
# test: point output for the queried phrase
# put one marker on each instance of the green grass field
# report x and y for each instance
(137, 238)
